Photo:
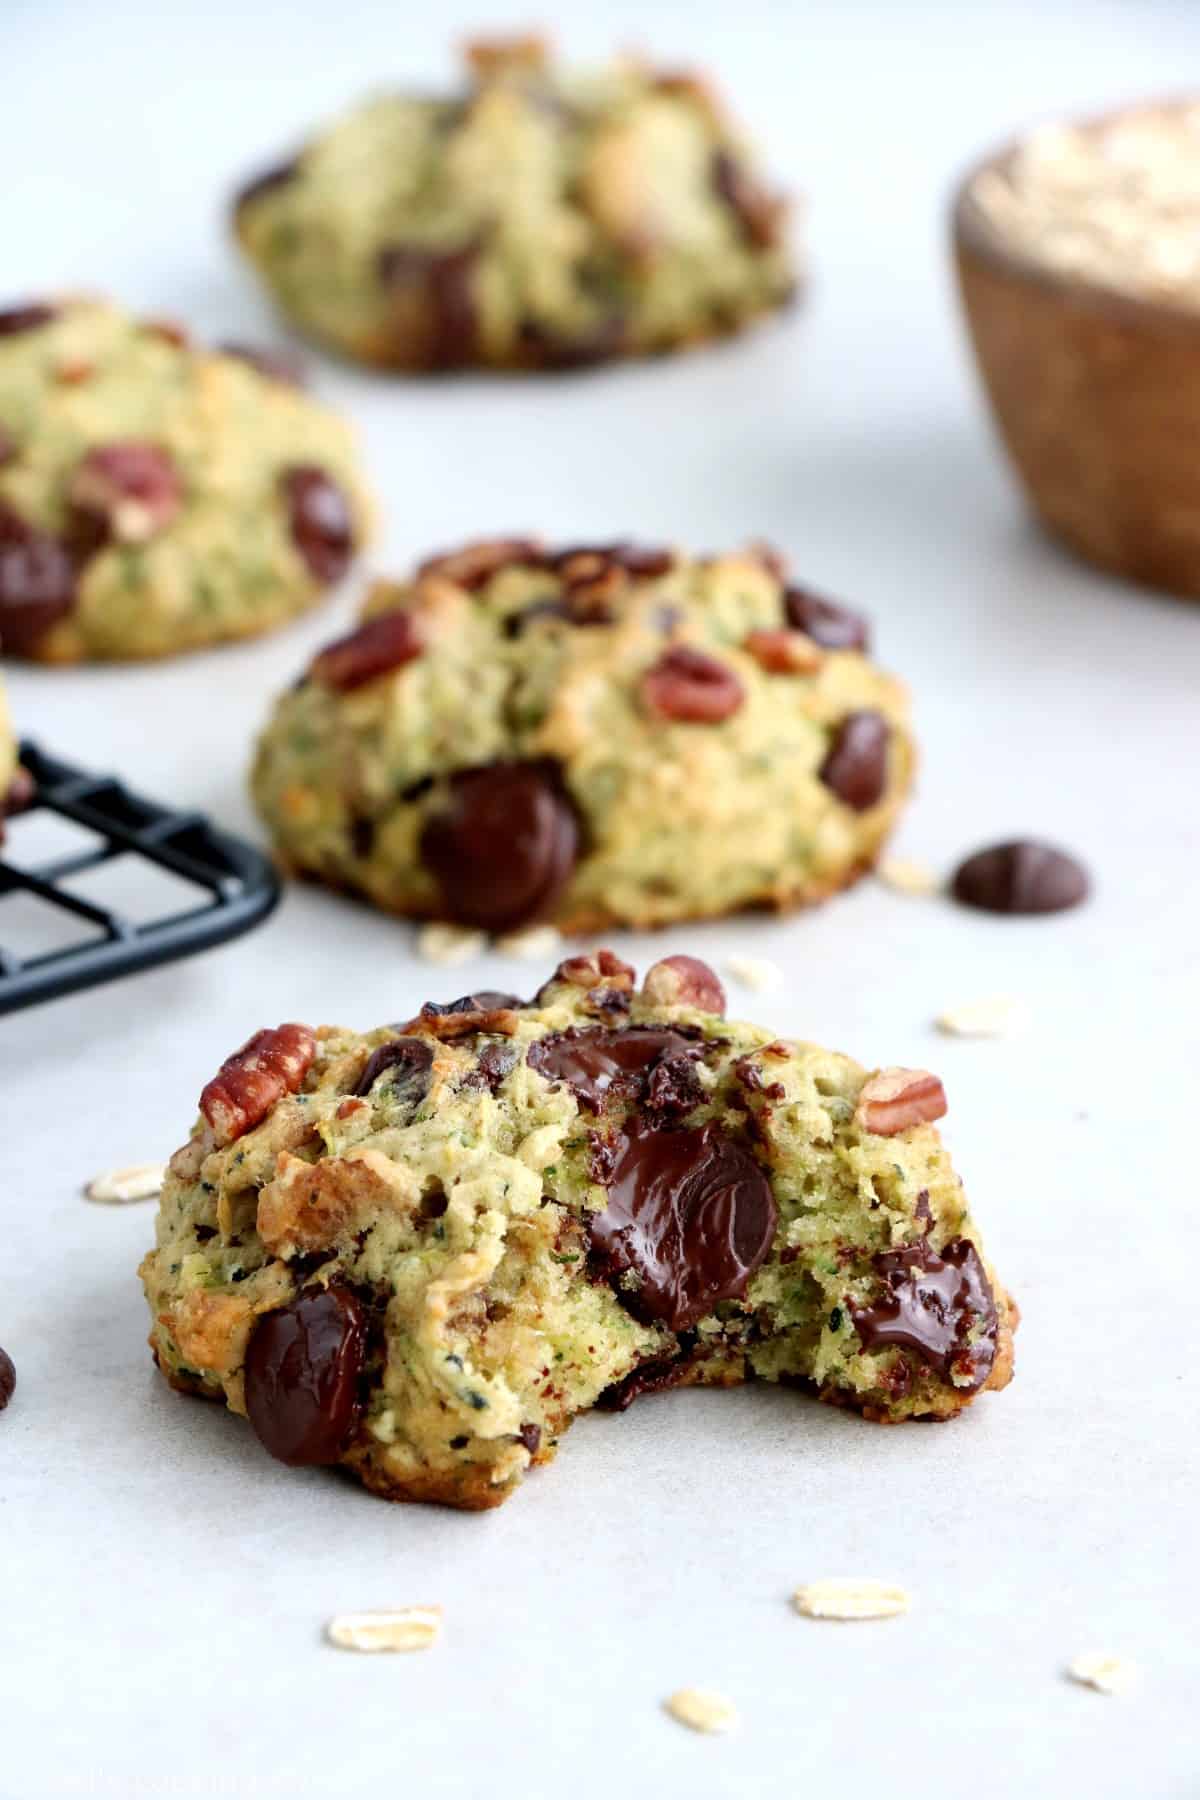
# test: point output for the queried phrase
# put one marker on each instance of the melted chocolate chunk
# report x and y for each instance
(302, 1369)
(596, 1062)
(504, 846)
(37, 582)
(8, 1379)
(1021, 877)
(16, 319)
(443, 282)
(651, 1378)
(833, 627)
(690, 1213)
(409, 1059)
(932, 1302)
(855, 767)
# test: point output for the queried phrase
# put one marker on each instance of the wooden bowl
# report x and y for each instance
(1097, 397)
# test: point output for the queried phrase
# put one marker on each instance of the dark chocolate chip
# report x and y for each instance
(442, 281)
(127, 491)
(833, 627)
(673, 1086)
(276, 365)
(932, 1301)
(302, 1368)
(409, 1059)
(855, 766)
(275, 177)
(8, 1379)
(690, 1214)
(16, 319)
(1021, 877)
(503, 846)
(531, 1437)
(362, 835)
(495, 1062)
(433, 1205)
(595, 1062)
(37, 582)
(320, 519)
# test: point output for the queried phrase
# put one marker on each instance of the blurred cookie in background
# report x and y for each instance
(155, 496)
(534, 219)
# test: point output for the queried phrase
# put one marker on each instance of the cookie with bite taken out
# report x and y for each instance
(419, 1252)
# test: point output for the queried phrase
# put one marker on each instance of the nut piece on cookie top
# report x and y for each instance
(543, 219)
(157, 496)
(576, 736)
(371, 1239)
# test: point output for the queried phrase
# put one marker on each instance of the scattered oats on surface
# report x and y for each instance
(754, 972)
(838, 1599)
(980, 1018)
(450, 944)
(702, 1710)
(1101, 1670)
(907, 876)
(536, 943)
(407, 1628)
(141, 1181)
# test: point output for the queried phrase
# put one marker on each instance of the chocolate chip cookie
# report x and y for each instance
(155, 497)
(420, 1252)
(535, 219)
(589, 735)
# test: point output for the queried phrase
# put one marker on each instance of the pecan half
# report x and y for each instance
(688, 686)
(375, 649)
(784, 652)
(893, 1099)
(684, 981)
(475, 564)
(269, 1065)
(594, 967)
(125, 492)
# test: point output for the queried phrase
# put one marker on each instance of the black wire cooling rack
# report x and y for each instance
(219, 886)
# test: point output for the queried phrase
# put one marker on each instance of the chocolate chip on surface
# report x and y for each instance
(504, 844)
(441, 282)
(8, 1379)
(1020, 876)
(855, 766)
(690, 1214)
(302, 1367)
(125, 492)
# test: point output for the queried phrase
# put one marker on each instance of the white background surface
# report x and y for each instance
(165, 1585)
